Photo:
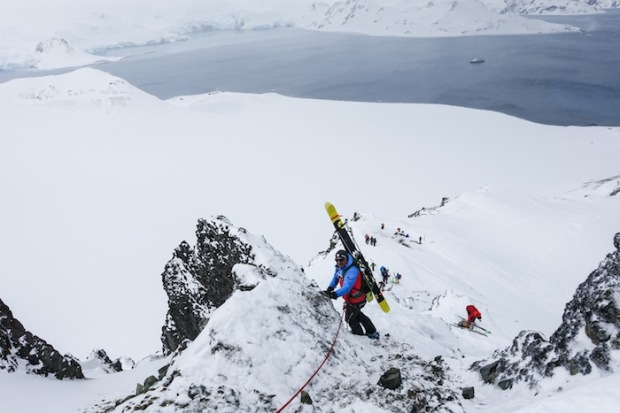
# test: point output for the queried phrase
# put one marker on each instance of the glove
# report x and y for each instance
(330, 294)
(330, 289)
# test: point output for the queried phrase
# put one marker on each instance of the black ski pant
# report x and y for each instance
(356, 319)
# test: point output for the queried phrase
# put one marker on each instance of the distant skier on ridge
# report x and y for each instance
(472, 315)
(348, 276)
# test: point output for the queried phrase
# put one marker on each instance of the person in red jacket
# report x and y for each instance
(472, 314)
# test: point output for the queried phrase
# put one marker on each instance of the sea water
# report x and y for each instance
(561, 79)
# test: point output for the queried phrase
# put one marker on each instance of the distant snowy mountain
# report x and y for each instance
(558, 6)
(405, 18)
(68, 33)
(99, 361)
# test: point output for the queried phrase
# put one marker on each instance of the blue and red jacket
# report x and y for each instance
(350, 280)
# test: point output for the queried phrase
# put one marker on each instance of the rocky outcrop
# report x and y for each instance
(589, 333)
(603, 187)
(21, 350)
(199, 279)
(430, 210)
(99, 359)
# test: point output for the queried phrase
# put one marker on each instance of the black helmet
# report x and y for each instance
(342, 254)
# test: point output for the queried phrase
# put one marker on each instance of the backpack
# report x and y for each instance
(366, 288)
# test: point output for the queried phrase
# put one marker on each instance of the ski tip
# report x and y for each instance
(331, 211)
(330, 208)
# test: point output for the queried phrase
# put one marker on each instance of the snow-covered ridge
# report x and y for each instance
(69, 33)
(433, 18)
(603, 187)
(557, 6)
(84, 87)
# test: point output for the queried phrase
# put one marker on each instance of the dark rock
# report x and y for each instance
(468, 393)
(419, 405)
(601, 357)
(197, 391)
(505, 384)
(305, 398)
(117, 366)
(489, 372)
(161, 373)
(19, 347)
(148, 383)
(596, 333)
(150, 380)
(391, 379)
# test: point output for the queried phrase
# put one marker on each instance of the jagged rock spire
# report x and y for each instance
(199, 279)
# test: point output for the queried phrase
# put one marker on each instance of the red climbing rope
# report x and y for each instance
(317, 370)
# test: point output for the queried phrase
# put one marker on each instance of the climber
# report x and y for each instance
(349, 278)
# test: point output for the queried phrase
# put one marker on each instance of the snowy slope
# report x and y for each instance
(23, 393)
(495, 248)
(111, 180)
(261, 346)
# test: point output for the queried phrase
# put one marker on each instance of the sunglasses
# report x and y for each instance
(341, 259)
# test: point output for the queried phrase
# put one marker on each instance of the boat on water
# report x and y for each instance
(477, 60)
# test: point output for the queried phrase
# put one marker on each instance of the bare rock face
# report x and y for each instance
(589, 333)
(199, 279)
(21, 350)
